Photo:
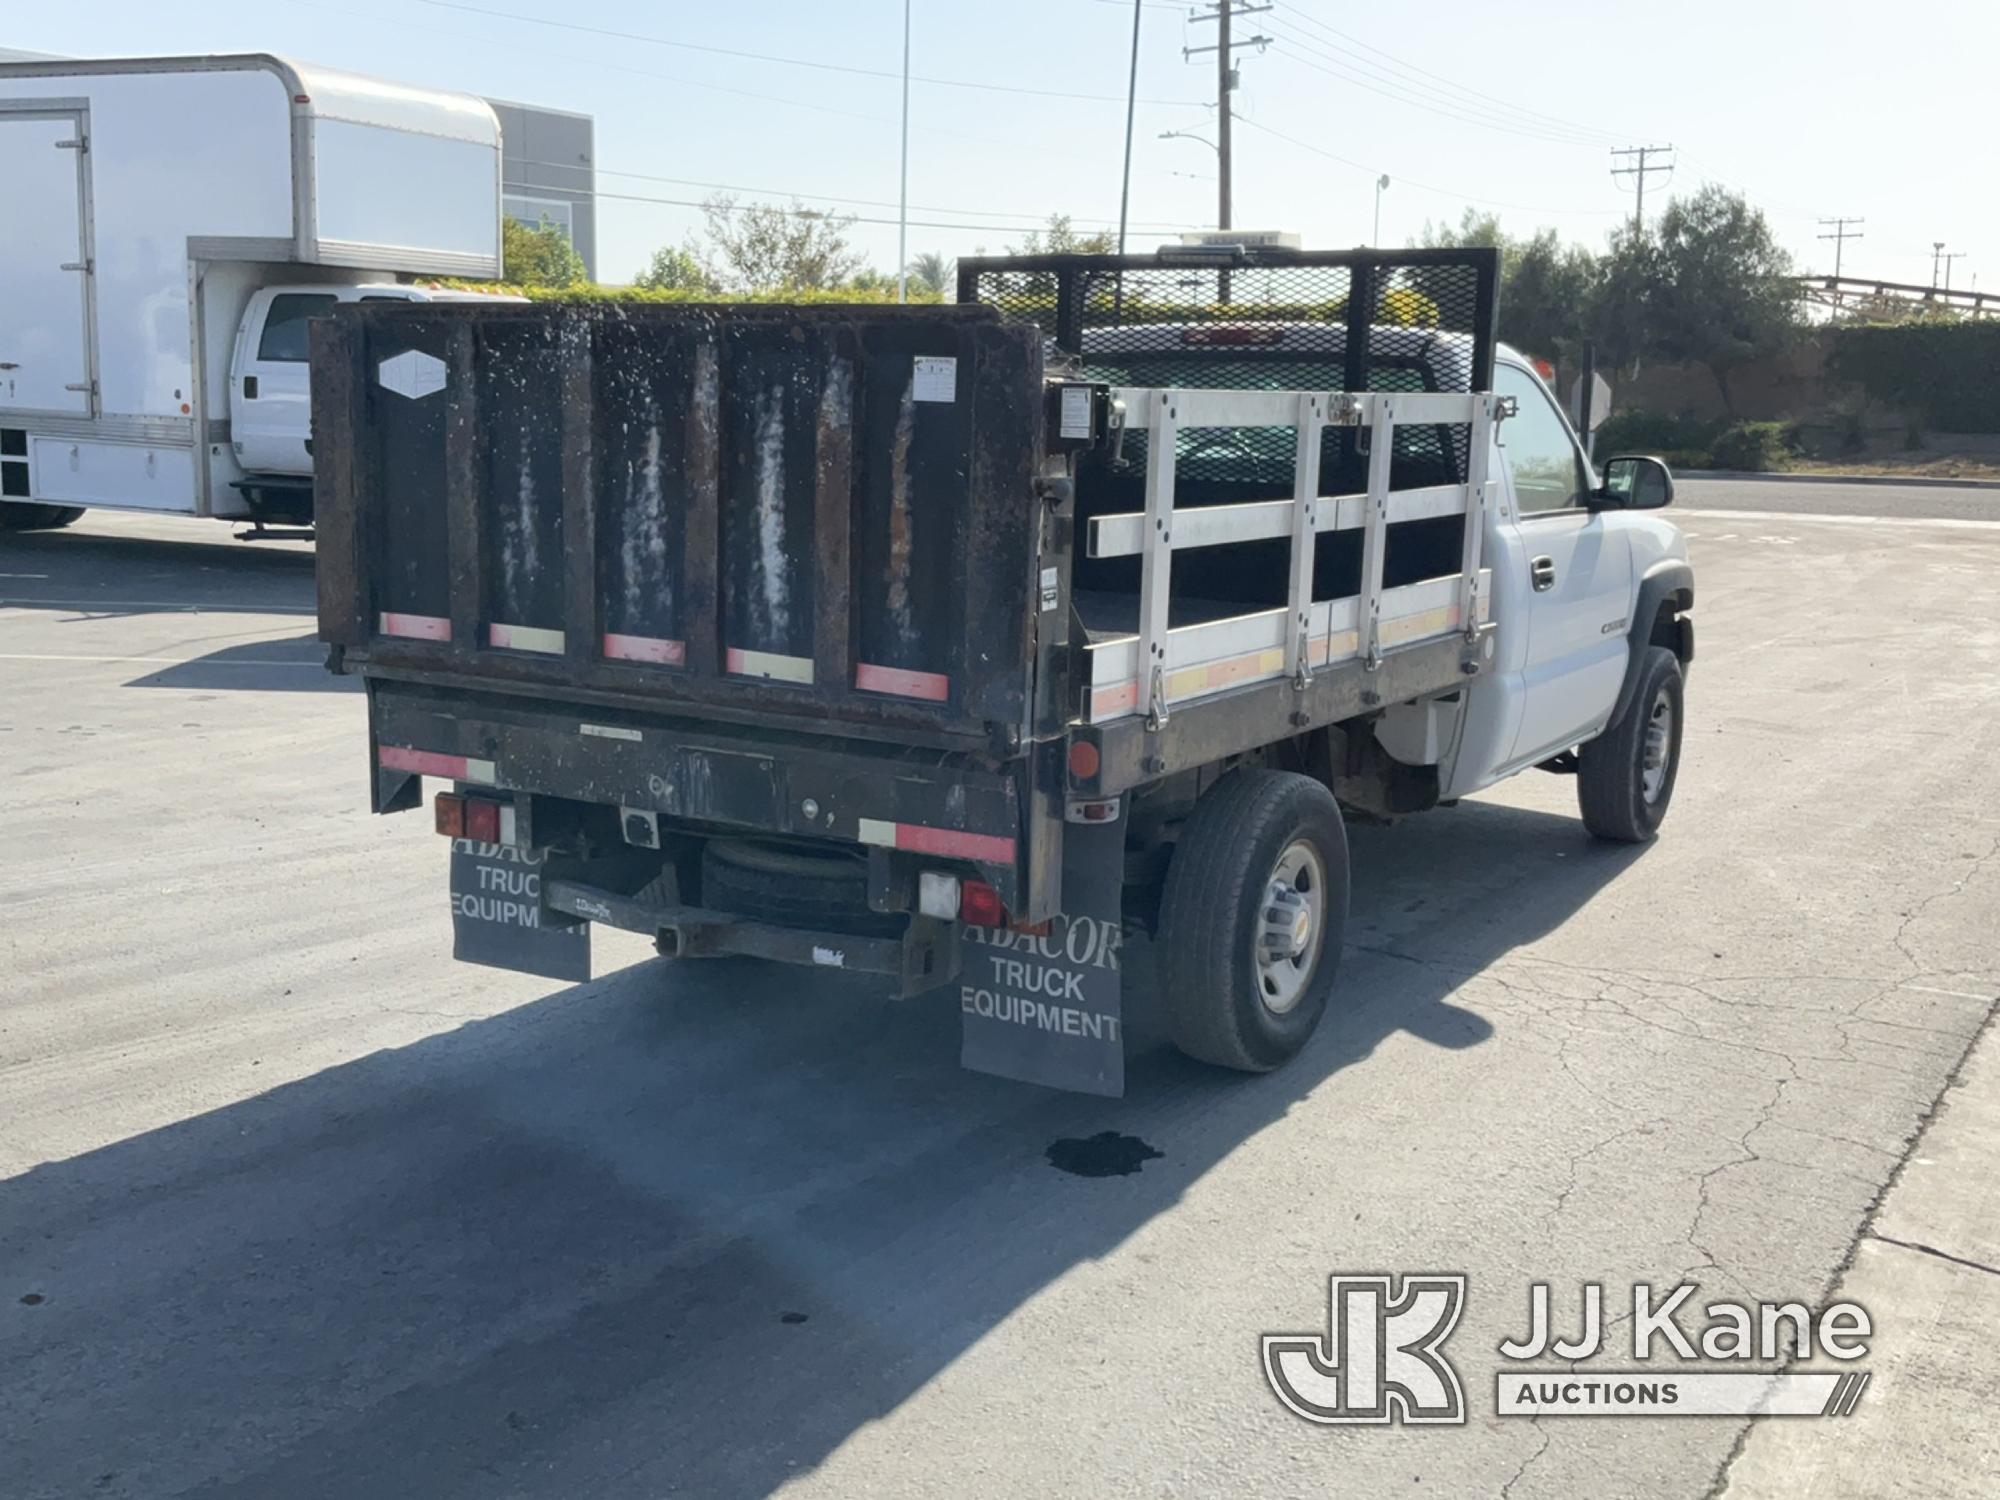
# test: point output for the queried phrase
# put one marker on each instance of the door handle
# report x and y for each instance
(249, 387)
(1542, 571)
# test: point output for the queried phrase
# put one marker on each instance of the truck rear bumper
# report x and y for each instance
(923, 958)
(949, 805)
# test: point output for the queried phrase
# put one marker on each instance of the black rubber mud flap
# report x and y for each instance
(1045, 1007)
(497, 916)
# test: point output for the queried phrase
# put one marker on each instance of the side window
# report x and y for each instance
(1547, 468)
(284, 337)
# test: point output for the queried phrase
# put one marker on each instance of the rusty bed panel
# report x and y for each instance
(826, 512)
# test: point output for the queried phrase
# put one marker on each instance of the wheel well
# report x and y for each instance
(1666, 631)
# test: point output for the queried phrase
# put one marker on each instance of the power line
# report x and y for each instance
(794, 62)
(1840, 236)
(1034, 219)
(1424, 187)
(809, 213)
(1512, 106)
(1337, 67)
(1639, 174)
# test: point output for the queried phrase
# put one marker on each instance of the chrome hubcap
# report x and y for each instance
(1659, 747)
(1292, 919)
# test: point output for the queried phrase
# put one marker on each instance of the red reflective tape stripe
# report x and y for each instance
(989, 848)
(423, 762)
(645, 648)
(932, 687)
(415, 627)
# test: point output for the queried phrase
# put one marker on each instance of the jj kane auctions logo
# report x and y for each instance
(1381, 1358)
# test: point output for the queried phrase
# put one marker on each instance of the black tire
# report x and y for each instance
(1214, 909)
(826, 890)
(1611, 770)
(16, 515)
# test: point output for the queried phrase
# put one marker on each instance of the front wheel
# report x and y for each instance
(1625, 777)
(1252, 919)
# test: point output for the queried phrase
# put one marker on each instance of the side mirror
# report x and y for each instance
(1633, 481)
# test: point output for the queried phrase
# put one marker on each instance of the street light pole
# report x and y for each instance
(903, 194)
(1131, 104)
(1380, 183)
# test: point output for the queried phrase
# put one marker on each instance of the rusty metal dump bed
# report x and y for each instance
(788, 515)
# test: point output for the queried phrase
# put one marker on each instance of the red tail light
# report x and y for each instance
(482, 821)
(472, 818)
(979, 905)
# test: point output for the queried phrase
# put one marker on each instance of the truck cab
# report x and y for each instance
(270, 392)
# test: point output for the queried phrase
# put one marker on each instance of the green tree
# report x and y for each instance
(1545, 290)
(675, 268)
(1619, 311)
(1722, 296)
(541, 256)
(871, 283)
(932, 272)
(1545, 285)
(1058, 237)
(766, 248)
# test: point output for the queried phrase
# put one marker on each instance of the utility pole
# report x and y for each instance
(1225, 83)
(1948, 259)
(1639, 172)
(1840, 236)
(903, 192)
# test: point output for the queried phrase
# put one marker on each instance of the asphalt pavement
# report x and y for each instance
(1922, 501)
(292, 1205)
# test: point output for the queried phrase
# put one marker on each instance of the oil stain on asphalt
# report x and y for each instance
(1106, 1154)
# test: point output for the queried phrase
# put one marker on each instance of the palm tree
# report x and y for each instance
(931, 273)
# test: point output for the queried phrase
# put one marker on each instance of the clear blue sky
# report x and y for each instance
(1811, 108)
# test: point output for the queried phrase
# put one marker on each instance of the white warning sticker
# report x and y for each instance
(1075, 422)
(934, 377)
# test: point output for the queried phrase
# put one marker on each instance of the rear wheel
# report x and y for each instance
(1625, 777)
(18, 515)
(1252, 918)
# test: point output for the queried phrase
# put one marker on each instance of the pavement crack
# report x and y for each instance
(1923, 1249)
(1507, 1489)
(1866, 1228)
(1902, 928)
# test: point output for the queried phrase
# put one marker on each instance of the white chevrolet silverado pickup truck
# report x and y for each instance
(949, 645)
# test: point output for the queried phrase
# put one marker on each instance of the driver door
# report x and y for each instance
(1579, 583)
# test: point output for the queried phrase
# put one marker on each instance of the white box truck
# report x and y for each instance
(171, 225)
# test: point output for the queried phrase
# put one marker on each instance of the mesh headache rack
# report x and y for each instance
(1322, 403)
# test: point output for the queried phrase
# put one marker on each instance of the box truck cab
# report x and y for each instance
(155, 204)
(270, 394)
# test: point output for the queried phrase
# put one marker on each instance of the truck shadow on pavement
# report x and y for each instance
(293, 665)
(144, 574)
(675, 1230)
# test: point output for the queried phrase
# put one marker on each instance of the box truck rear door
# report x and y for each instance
(44, 265)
